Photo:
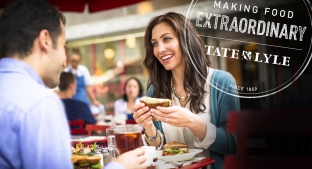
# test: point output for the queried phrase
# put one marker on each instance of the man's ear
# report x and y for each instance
(72, 85)
(44, 40)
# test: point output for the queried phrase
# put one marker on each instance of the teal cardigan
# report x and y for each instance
(220, 104)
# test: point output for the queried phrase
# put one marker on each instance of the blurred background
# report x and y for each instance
(109, 37)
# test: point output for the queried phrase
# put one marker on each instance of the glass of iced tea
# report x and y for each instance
(128, 137)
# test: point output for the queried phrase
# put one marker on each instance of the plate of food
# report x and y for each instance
(84, 161)
(157, 162)
(175, 151)
(83, 157)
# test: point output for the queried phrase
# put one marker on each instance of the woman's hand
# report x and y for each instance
(174, 115)
(142, 115)
(181, 117)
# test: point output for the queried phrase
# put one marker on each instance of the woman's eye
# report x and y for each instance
(154, 44)
(166, 39)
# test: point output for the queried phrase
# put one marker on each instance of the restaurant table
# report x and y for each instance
(89, 140)
(117, 121)
(102, 123)
(203, 163)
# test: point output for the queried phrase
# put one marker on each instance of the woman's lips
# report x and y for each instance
(166, 58)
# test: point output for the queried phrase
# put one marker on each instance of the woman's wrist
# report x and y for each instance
(197, 123)
(150, 131)
(193, 122)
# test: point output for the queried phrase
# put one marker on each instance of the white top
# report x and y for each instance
(81, 71)
(120, 107)
(185, 135)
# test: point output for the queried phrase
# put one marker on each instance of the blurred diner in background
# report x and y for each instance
(83, 80)
(133, 91)
(74, 109)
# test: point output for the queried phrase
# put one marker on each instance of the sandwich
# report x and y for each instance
(86, 162)
(83, 157)
(174, 148)
(154, 102)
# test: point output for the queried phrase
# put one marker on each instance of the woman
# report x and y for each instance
(198, 115)
(133, 91)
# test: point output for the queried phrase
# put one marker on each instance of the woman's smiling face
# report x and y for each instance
(166, 46)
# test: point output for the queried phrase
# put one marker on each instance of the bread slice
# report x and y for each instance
(76, 158)
(93, 159)
(174, 148)
(175, 145)
(85, 159)
(154, 102)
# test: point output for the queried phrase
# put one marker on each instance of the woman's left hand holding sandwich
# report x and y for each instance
(143, 117)
(181, 117)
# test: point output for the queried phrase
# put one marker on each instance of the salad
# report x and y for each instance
(88, 149)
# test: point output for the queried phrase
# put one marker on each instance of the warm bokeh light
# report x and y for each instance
(145, 7)
(109, 53)
(131, 42)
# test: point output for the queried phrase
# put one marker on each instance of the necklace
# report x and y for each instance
(181, 98)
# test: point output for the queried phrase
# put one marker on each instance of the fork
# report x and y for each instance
(179, 165)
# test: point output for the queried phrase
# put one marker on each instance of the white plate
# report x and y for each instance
(180, 157)
(158, 162)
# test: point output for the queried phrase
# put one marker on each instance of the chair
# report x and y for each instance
(282, 133)
(94, 127)
(76, 127)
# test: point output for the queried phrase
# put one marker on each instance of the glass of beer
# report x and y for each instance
(128, 137)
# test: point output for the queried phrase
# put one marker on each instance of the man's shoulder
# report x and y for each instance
(75, 103)
(82, 68)
(24, 93)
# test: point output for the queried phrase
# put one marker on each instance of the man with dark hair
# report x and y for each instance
(34, 130)
(74, 109)
(33, 126)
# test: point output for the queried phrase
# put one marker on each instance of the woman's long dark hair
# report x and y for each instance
(193, 50)
(124, 96)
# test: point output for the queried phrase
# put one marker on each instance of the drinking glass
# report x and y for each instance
(128, 137)
(111, 143)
